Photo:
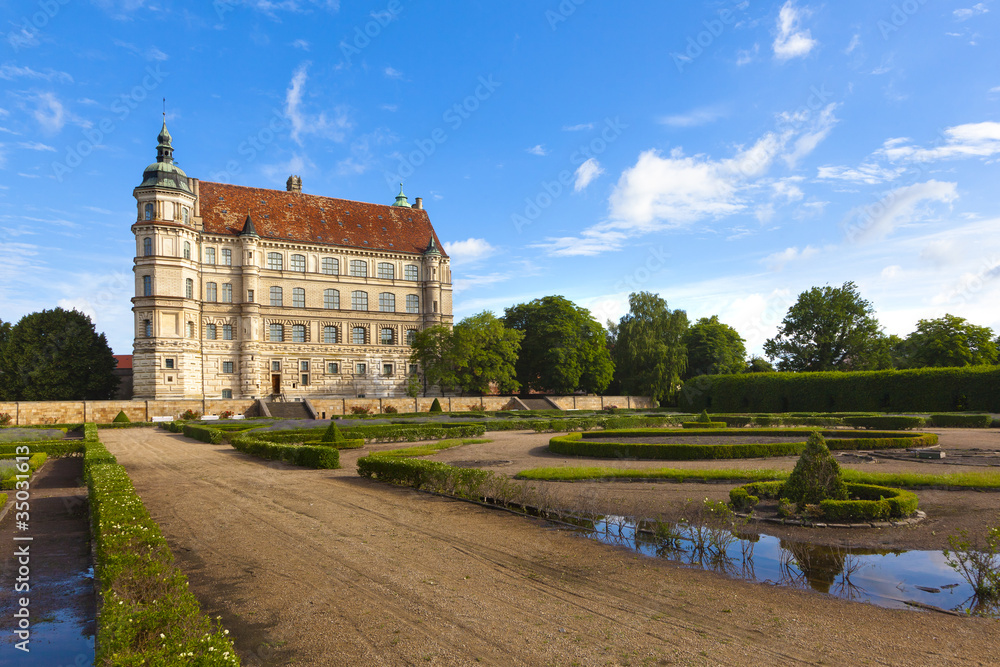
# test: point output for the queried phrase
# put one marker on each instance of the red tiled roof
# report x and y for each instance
(295, 216)
(124, 360)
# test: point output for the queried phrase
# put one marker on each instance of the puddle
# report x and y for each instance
(884, 578)
(58, 639)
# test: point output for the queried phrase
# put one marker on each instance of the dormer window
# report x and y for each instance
(149, 212)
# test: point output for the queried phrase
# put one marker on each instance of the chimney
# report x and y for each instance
(294, 183)
(418, 202)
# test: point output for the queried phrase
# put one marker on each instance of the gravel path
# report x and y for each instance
(324, 568)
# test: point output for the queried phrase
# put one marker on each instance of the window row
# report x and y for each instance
(331, 335)
(331, 266)
(334, 368)
(149, 212)
(331, 300)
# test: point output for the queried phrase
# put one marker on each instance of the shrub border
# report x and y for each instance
(874, 503)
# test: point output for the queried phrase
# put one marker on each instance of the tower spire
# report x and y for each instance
(164, 149)
(401, 199)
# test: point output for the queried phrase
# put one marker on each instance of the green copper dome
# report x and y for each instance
(164, 173)
(401, 199)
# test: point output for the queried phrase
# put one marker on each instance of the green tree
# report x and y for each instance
(757, 364)
(950, 341)
(827, 329)
(713, 348)
(563, 349)
(56, 355)
(648, 347)
(433, 349)
(486, 354)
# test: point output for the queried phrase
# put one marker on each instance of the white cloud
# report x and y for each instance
(778, 260)
(969, 12)
(890, 272)
(578, 128)
(49, 113)
(788, 189)
(23, 38)
(968, 140)
(808, 141)
(389, 107)
(10, 72)
(469, 251)
(590, 242)
(300, 44)
(898, 207)
(393, 73)
(747, 56)
(791, 41)
(538, 149)
(855, 43)
(149, 52)
(586, 173)
(941, 252)
(35, 146)
(302, 124)
(868, 173)
(468, 281)
(694, 118)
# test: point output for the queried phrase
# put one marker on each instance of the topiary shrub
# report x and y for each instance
(816, 476)
(741, 501)
(435, 406)
(332, 433)
(121, 418)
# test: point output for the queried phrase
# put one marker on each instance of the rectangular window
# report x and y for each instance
(359, 300)
(147, 285)
(298, 297)
(227, 393)
(331, 266)
(276, 297)
(298, 262)
(227, 367)
(168, 363)
(305, 379)
(386, 271)
(275, 261)
(275, 366)
(359, 268)
(387, 336)
(411, 335)
(329, 335)
(411, 272)
(360, 369)
(227, 332)
(210, 255)
(413, 369)
(386, 369)
(227, 256)
(358, 336)
(190, 329)
(304, 366)
(387, 302)
(412, 303)
(298, 333)
(147, 326)
(249, 296)
(188, 288)
(211, 292)
(277, 333)
(210, 331)
(333, 368)
(331, 299)
(227, 292)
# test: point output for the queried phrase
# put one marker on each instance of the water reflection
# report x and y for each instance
(891, 578)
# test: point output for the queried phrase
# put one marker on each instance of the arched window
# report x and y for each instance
(147, 328)
(331, 299)
(147, 285)
(388, 336)
(276, 333)
(188, 288)
(211, 292)
(298, 262)
(412, 303)
(358, 335)
(359, 300)
(187, 250)
(359, 268)
(298, 297)
(387, 302)
(386, 271)
(298, 333)
(210, 255)
(210, 331)
(329, 335)
(274, 261)
(411, 334)
(149, 212)
(227, 256)
(411, 272)
(276, 296)
(147, 247)
(331, 266)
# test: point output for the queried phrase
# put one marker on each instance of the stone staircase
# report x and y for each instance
(289, 410)
(539, 403)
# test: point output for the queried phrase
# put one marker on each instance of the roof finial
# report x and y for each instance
(401, 199)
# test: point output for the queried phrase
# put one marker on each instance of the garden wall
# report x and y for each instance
(974, 388)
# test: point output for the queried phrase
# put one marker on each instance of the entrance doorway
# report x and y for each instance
(275, 384)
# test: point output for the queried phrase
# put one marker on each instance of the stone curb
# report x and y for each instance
(908, 521)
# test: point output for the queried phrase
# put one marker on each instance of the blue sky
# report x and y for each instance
(726, 155)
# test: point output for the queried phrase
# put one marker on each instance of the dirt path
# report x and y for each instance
(324, 568)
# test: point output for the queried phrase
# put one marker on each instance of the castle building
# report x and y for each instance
(247, 292)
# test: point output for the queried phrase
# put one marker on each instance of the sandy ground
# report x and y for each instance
(312, 567)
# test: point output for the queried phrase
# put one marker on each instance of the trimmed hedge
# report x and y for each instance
(381, 433)
(721, 424)
(894, 422)
(204, 433)
(428, 475)
(343, 444)
(868, 502)
(918, 390)
(573, 444)
(3, 500)
(147, 615)
(50, 447)
(961, 421)
(34, 462)
(308, 456)
(90, 433)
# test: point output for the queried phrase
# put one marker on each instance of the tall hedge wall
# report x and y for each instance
(921, 390)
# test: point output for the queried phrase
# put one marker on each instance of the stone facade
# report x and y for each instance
(244, 293)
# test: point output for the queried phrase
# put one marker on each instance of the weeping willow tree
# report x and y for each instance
(648, 347)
